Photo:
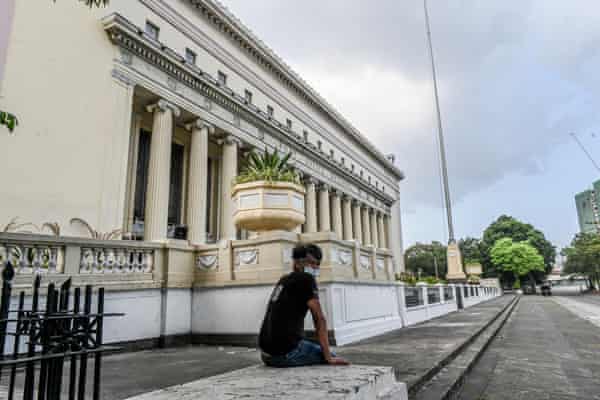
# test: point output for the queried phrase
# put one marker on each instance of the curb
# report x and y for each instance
(447, 381)
(426, 377)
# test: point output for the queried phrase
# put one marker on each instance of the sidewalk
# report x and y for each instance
(417, 350)
(414, 354)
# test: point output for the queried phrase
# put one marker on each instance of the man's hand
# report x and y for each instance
(337, 361)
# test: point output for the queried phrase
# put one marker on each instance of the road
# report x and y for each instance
(549, 348)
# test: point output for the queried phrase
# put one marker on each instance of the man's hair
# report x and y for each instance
(314, 251)
(302, 251)
(299, 252)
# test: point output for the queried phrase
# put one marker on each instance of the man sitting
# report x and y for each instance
(281, 335)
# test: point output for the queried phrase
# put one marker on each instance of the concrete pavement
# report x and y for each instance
(544, 351)
(411, 355)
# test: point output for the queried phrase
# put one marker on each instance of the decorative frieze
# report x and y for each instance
(365, 261)
(344, 257)
(207, 261)
(246, 257)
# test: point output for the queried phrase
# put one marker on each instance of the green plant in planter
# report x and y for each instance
(270, 167)
(9, 120)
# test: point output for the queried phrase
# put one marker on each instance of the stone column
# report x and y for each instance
(396, 238)
(366, 225)
(356, 221)
(198, 181)
(374, 232)
(347, 214)
(381, 231)
(311, 206)
(324, 218)
(157, 191)
(387, 232)
(229, 172)
(336, 210)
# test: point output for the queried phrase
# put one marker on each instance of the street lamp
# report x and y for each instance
(455, 268)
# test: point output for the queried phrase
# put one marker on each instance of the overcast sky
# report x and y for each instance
(515, 77)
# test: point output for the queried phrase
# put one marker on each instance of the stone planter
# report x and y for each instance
(263, 206)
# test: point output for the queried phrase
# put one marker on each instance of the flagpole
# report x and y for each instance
(451, 238)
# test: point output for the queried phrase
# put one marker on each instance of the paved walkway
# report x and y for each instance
(586, 307)
(543, 352)
(413, 352)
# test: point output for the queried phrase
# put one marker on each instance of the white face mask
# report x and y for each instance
(313, 271)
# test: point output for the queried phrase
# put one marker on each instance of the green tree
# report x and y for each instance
(518, 258)
(583, 256)
(470, 250)
(509, 227)
(10, 120)
(423, 258)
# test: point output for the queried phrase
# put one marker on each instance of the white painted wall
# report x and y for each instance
(6, 17)
(68, 156)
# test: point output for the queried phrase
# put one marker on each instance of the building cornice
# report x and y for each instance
(226, 22)
(131, 38)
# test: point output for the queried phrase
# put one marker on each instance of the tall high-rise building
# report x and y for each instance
(587, 203)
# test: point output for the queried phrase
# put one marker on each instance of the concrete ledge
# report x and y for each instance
(356, 382)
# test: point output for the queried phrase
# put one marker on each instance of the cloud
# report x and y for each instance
(515, 77)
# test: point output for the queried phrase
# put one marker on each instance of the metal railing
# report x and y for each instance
(42, 340)
(448, 293)
(433, 295)
(413, 297)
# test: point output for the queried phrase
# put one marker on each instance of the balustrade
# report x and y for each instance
(32, 258)
(106, 260)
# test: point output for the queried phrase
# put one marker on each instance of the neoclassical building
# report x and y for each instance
(134, 119)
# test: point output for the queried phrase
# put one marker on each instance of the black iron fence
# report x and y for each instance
(43, 341)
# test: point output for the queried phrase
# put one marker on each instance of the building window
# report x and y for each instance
(270, 111)
(319, 145)
(222, 78)
(288, 124)
(152, 30)
(352, 167)
(305, 136)
(369, 180)
(248, 96)
(331, 153)
(362, 175)
(190, 57)
(377, 185)
(343, 161)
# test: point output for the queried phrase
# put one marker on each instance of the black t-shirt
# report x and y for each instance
(283, 326)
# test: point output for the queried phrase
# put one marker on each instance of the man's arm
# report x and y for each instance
(321, 328)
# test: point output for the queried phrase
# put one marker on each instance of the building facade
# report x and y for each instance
(587, 209)
(133, 122)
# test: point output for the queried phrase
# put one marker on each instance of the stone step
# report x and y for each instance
(450, 377)
(355, 382)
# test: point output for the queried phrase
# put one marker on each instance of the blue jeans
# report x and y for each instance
(306, 353)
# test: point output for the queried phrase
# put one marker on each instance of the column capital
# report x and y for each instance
(230, 140)
(356, 203)
(200, 124)
(164, 105)
(323, 187)
(336, 193)
(310, 180)
(347, 197)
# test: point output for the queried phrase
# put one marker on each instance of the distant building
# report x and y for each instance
(587, 209)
